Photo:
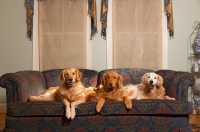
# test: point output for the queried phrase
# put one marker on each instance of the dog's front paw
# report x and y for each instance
(73, 113)
(129, 105)
(98, 108)
(68, 113)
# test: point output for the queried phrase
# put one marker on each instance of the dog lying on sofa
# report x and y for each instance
(151, 87)
(71, 91)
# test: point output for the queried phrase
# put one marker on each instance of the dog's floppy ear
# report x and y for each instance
(144, 78)
(159, 80)
(103, 79)
(120, 81)
(78, 75)
(62, 75)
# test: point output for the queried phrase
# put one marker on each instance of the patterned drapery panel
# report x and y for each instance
(30, 7)
(93, 14)
(104, 12)
(92, 11)
(169, 13)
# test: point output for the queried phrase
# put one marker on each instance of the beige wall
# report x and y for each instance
(16, 49)
(186, 12)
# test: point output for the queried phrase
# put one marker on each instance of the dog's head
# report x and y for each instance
(152, 80)
(111, 80)
(70, 76)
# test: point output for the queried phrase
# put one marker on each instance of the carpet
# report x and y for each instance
(195, 128)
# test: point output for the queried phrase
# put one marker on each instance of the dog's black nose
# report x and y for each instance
(110, 84)
(70, 79)
(151, 81)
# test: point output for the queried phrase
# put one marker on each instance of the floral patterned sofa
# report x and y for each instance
(145, 116)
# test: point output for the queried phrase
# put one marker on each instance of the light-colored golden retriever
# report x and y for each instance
(151, 87)
(71, 91)
(111, 88)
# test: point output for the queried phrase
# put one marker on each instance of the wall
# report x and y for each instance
(16, 49)
(186, 12)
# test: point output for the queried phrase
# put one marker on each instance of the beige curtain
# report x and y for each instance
(137, 33)
(62, 34)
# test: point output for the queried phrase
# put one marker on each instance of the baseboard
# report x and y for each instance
(2, 107)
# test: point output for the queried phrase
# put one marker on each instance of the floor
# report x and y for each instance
(194, 119)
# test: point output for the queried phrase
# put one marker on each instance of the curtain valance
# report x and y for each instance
(169, 14)
(92, 12)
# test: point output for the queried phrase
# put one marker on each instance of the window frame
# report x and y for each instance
(109, 41)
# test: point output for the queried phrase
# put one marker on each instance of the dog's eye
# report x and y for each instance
(154, 77)
(114, 77)
(149, 77)
(66, 74)
(73, 73)
(107, 77)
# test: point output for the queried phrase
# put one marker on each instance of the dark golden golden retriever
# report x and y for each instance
(111, 88)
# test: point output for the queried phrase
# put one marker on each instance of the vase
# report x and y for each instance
(196, 98)
(197, 44)
(195, 66)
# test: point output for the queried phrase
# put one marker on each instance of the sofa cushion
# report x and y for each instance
(89, 77)
(97, 123)
(149, 107)
(49, 108)
(143, 107)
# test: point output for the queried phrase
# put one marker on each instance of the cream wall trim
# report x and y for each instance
(109, 37)
(164, 39)
(2, 107)
(35, 38)
(88, 43)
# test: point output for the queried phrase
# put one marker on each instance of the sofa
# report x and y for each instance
(150, 115)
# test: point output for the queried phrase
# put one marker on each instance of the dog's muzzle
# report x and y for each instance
(151, 85)
(70, 82)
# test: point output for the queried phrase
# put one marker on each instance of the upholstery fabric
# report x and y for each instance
(149, 107)
(99, 123)
(145, 115)
(177, 83)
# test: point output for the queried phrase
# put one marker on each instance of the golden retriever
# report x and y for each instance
(151, 87)
(71, 91)
(111, 88)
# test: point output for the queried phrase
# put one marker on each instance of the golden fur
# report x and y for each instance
(111, 88)
(151, 87)
(71, 91)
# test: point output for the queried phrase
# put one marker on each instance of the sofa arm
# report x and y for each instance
(177, 83)
(20, 85)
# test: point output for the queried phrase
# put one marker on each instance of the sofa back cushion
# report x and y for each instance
(89, 77)
(129, 75)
